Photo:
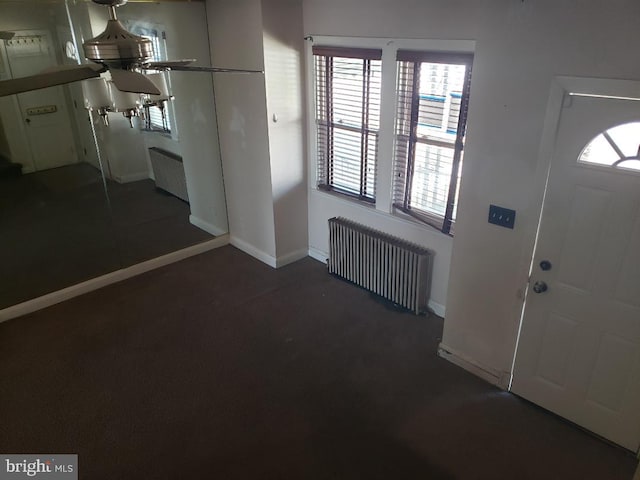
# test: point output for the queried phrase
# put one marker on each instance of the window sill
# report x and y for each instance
(352, 199)
(396, 212)
(398, 217)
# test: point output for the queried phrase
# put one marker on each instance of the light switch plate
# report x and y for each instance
(501, 216)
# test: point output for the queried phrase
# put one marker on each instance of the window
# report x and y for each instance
(617, 147)
(348, 91)
(157, 118)
(431, 113)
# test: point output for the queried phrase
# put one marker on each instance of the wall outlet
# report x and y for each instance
(501, 216)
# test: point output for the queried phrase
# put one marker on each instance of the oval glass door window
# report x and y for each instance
(617, 147)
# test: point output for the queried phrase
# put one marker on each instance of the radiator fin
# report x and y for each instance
(393, 268)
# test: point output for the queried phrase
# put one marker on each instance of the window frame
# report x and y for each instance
(386, 142)
(325, 166)
(443, 222)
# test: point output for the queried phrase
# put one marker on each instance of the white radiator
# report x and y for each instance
(168, 171)
(393, 268)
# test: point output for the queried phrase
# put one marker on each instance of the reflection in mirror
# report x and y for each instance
(79, 199)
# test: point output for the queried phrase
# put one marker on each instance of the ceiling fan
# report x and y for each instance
(116, 50)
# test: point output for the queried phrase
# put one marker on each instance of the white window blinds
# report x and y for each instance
(158, 119)
(348, 90)
(432, 100)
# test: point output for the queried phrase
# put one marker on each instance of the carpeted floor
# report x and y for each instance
(57, 229)
(221, 367)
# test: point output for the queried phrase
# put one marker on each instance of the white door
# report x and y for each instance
(44, 112)
(579, 348)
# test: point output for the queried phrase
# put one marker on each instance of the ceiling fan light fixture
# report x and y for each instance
(96, 94)
(97, 97)
(118, 47)
(125, 102)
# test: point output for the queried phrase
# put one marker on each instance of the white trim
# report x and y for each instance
(292, 257)
(132, 177)
(206, 226)
(470, 365)
(436, 44)
(53, 298)
(318, 255)
(253, 251)
(437, 308)
(264, 257)
(600, 87)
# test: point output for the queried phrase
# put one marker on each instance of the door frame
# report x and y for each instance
(561, 86)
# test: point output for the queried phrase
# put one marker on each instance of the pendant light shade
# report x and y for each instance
(126, 102)
(123, 101)
(96, 94)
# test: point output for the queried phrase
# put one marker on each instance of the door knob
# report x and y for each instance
(545, 265)
(540, 287)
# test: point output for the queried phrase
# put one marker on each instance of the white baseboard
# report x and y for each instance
(283, 260)
(253, 251)
(437, 308)
(490, 375)
(50, 299)
(132, 177)
(321, 256)
(318, 255)
(265, 257)
(206, 226)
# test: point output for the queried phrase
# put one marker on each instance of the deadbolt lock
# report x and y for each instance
(540, 287)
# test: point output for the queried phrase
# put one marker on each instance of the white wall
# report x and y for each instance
(263, 160)
(242, 113)
(283, 47)
(520, 46)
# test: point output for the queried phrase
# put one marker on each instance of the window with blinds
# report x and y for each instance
(157, 119)
(348, 91)
(432, 99)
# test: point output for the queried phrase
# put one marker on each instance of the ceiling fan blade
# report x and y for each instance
(194, 68)
(6, 35)
(96, 67)
(171, 64)
(50, 79)
(134, 82)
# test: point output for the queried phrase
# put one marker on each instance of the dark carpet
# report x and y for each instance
(221, 367)
(57, 228)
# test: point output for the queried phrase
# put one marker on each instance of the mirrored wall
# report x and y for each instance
(78, 198)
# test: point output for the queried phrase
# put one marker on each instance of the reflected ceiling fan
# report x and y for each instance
(116, 50)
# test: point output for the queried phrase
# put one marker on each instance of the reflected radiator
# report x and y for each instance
(168, 171)
(393, 268)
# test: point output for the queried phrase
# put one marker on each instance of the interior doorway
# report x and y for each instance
(578, 351)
